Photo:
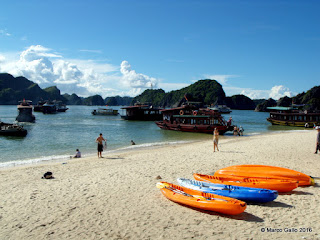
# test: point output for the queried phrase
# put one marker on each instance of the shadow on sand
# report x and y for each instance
(242, 216)
(273, 204)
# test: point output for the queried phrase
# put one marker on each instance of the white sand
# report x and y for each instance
(116, 198)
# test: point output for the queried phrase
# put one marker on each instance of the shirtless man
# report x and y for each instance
(100, 145)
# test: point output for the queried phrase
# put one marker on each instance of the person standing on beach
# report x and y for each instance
(100, 145)
(215, 139)
(318, 140)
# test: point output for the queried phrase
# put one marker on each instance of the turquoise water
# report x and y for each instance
(57, 136)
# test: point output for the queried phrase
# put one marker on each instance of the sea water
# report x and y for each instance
(57, 136)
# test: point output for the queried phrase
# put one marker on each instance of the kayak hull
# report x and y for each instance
(242, 193)
(264, 171)
(201, 200)
(272, 184)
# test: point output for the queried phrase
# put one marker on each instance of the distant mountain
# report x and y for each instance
(118, 101)
(73, 99)
(240, 102)
(208, 92)
(205, 91)
(95, 100)
(310, 100)
(13, 90)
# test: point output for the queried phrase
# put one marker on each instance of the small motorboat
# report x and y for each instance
(8, 129)
(104, 111)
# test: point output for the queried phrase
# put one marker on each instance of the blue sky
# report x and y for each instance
(258, 48)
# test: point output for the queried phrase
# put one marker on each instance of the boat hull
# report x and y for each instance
(7, 129)
(263, 171)
(272, 184)
(291, 123)
(207, 201)
(242, 193)
(192, 127)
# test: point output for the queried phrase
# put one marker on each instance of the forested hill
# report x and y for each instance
(205, 91)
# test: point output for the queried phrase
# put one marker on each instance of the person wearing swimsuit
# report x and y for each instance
(215, 139)
(100, 145)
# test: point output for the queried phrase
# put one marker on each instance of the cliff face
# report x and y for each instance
(240, 102)
(95, 100)
(13, 90)
(205, 91)
(118, 101)
(310, 100)
(262, 107)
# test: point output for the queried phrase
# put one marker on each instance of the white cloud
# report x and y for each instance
(280, 91)
(275, 92)
(2, 58)
(172, 86)
(136, 80)
(222, 79)
(83, 77)
(4, 32)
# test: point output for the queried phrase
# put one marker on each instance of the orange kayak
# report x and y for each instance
(205, 201)
(272, 184)
(263, 171)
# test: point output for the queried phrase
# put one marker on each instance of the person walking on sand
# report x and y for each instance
(318, 140)
(100, 145)
(215, 139)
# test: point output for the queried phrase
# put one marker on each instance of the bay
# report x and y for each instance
(57, 136)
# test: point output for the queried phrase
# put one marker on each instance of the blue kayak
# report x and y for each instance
(242, 193)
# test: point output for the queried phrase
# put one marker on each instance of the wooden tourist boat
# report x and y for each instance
(223, 109)
(25, 112)
(190, 119)
(8, 129)
(201, 200)
(142, 112)
(104, 111)
(291, 116)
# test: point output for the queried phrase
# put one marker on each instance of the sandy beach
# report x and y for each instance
(115, 197)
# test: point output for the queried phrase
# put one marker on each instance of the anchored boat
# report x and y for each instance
(188, 118)
(25, 112)
(142, 112)
(8, 129)
(104, 111)
(292, 116)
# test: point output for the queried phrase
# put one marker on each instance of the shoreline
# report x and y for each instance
(115, 197)
(61, 158)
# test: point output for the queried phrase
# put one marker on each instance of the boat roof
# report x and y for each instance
(195, 116)
(281, 108)
(172, 109)
(146, 107)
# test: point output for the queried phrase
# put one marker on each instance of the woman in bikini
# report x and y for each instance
(215, 139)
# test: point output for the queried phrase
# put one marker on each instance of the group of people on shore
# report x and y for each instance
(100, 140)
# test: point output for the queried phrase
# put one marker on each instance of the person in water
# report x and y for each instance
(100, 140)
(132, 142)
(215, 139)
